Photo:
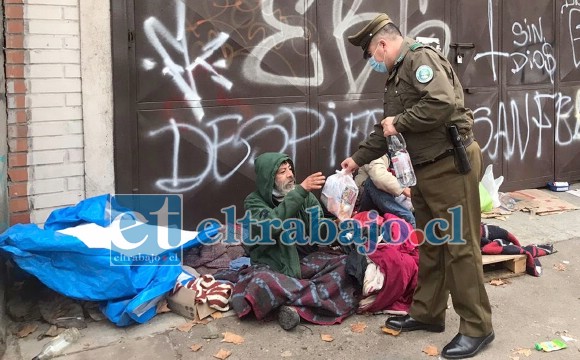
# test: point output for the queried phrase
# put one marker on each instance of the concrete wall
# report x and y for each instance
(97, 96)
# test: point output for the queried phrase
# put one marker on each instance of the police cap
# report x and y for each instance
(364, 36)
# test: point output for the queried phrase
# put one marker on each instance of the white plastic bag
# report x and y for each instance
(492, 185)
(339, 194)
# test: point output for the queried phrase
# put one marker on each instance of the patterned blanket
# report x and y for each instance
(325, 295)
(495, 240)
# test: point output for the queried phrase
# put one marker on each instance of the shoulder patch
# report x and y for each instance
(415, 46)
(424, 74)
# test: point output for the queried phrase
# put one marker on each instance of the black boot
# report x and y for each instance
(407, 323)
(463, 346)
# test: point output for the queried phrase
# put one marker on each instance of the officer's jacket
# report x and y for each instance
(425, 96)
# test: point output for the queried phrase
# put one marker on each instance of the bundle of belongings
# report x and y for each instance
(319, 284)
(333, 283)
(391, 270)
(73, 256)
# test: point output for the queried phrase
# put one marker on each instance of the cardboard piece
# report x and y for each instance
(497, 213)
(183, 303)
(540, 202)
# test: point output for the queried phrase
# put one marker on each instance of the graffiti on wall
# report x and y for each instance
(173, 60)
(533, 51)
(539, 113)
(522, 126)
(519, 124)
(572, 21)
(219, 138)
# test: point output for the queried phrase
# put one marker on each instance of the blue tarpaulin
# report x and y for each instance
(62, 258)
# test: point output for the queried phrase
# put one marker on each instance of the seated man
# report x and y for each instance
(278, 197)
(298, 281)
(381, 190)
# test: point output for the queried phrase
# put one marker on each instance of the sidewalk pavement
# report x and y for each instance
(525, 311)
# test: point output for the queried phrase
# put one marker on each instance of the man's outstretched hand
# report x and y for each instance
(349, 165)
(313, 182)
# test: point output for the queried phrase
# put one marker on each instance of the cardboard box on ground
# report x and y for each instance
(183, 303)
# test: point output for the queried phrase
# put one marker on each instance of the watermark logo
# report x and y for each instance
(147, 229)
(264, 228)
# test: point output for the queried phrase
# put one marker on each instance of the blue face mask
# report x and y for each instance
(378, 66)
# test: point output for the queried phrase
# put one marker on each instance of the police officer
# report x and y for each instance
(423, 99)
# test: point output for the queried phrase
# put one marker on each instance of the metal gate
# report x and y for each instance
(203, 87)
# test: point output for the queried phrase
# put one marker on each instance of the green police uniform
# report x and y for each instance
(424, 95)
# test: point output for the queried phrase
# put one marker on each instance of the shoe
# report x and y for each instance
(288, 317)
(407, 323)
(463, 346)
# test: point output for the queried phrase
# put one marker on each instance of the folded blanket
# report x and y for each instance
(495, 240)
(325, 295)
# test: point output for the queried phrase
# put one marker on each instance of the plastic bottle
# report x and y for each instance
(507, 202)
(401, 160)
(58, 344)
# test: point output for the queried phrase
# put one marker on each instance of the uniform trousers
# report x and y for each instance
(451, 268)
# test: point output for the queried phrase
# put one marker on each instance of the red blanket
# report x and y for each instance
(399, 262)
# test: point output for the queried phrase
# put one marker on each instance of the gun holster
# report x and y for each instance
(461, 160)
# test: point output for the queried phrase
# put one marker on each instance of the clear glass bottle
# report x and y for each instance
(401, 160)
(56, 346)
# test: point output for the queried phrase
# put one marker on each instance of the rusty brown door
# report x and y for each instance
(567, 103)
(474, 39)
(203, 87)
(521, 83)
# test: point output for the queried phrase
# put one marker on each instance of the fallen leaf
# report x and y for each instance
(26, 330)
(560, 267)
(232, 338)
(222, 354)
(497, 282)
(162, 307)
(386, 330)
(431, 350)
(195, 347)
(358, 327)
(202, 322)
(326, 337)
(525, 352)
(52, 331)
(216, 315)
(186, 327)
(286, 354)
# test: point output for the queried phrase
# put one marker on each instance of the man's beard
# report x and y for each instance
(284, 187)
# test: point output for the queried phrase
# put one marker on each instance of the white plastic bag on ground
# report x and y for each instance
(339, 194)
(492, 185)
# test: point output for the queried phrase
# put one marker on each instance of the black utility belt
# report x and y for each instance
(443, 155)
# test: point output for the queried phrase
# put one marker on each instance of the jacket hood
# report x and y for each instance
(267, 165)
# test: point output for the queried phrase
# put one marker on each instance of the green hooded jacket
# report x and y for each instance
(280, 257)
